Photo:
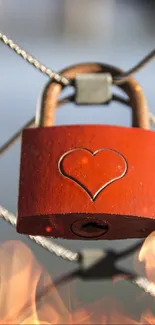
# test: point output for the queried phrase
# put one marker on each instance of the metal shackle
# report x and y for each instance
(52, 90)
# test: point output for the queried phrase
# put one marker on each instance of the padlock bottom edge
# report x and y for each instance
(86, 226)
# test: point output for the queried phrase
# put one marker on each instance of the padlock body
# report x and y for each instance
(87, 182)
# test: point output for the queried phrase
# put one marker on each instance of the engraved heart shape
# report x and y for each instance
(93, 171)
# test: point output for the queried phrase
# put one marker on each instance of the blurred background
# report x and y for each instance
(60, 33)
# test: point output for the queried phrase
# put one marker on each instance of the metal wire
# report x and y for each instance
(57, 77)
(117, 80)
(33, 61)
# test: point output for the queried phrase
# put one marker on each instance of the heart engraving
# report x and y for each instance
(93, 171)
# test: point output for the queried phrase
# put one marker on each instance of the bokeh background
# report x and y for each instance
(60, 33)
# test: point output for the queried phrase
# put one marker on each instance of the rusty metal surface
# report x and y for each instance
(132, 89)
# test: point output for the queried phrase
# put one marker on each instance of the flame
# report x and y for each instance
(24, 298)
(22, 279)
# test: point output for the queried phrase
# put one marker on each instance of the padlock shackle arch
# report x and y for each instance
(137, 100)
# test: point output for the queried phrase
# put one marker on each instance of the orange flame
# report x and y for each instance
(23, 279)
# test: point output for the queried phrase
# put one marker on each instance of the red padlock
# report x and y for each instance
(88, 181)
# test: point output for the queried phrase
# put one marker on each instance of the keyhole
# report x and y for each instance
(89, 229)
(92, 227)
